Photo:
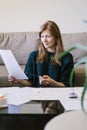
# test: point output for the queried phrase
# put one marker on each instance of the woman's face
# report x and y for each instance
(48, 41)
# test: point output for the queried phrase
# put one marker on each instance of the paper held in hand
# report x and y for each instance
(12, 65)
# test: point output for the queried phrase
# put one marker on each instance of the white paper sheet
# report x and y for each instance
(56, 93)
(17, 95)
(11, 64)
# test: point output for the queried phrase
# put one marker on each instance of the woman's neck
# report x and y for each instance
(50, 50)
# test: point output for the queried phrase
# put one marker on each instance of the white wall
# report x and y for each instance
(29, 15)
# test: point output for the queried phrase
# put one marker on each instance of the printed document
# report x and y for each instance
(12, 65)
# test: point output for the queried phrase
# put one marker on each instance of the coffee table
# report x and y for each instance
(22, 95)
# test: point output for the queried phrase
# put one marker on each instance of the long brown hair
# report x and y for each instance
(55, 32)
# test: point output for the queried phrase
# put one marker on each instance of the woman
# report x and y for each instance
(45, 68)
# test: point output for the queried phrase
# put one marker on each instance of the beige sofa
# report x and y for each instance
(22, 43)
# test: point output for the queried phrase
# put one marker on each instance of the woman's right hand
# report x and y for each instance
(24, 82)
(12, 79)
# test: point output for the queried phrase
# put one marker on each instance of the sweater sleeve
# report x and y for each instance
(30, 66)
(66, 67)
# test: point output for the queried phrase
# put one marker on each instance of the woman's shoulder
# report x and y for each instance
(34, 53)
(68, 54)
(67, 57)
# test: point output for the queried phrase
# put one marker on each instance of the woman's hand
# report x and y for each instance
(23, 82)
(12, 79)
(45, 80)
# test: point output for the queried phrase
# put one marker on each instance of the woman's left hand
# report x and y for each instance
(45, 80)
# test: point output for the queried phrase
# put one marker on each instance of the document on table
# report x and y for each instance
(17, 95)
(12, 65)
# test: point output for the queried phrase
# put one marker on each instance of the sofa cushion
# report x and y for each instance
(80, 75)
(4, 76)
(70, 40)
(21, 44)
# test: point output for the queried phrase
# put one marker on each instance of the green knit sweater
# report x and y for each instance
(55, 71)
